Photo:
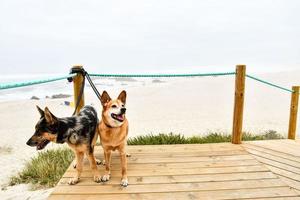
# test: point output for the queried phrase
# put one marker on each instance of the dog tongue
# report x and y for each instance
(120, 117)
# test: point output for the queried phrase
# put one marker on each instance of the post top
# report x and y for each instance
(77, 66)
(296, 89)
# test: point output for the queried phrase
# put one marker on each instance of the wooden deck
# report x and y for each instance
(253, 170)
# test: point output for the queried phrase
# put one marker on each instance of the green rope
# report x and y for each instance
(33, 82)
(160, 75)
(268, 83)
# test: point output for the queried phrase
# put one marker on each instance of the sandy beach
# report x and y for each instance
(190, 106)
(44, 40)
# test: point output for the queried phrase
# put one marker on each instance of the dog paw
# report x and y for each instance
(73, 181)
(99, 162)
(103, 162)
(97, 178)
(105, 178)
(74, 165)
(124, 182)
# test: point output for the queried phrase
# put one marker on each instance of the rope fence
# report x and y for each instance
(268, 83)
(35, 82)
(240, 75)
(161, 75)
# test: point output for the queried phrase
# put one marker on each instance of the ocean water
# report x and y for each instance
(41, 90)
(61, 87)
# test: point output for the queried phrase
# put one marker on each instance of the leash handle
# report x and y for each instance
(87, 76)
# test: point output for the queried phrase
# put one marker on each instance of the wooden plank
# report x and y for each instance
(276, 161)
(157, 149)
(287, 169)
(217, 194)
(188, 173)
(292, 183)
(276, 198)
(277, 165)
(279, 145)
(285, 173)
(291, 143)
(287, 146)
(182, 147)
(133, 159)
(171, 187)
(165, 171)
(186, 165)
(271, 152)
(185, 154)
(287, 141)
(180, 178)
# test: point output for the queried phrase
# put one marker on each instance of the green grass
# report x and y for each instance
(172, 138)
(46, 169)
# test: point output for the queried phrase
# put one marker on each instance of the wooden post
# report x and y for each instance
(77, 83)
(238, 104)
(293, 112)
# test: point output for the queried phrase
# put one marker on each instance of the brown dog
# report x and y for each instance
(113, 130)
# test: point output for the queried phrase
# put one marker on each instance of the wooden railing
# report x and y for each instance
(239, 95)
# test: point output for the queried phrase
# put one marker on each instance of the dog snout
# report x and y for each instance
(123, 110)
(30, 142)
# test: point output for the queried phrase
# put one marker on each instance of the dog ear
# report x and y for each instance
(50, 118)
(105, 98)
(122, 96)
(40, 111)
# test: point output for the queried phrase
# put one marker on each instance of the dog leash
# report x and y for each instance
(93, 86)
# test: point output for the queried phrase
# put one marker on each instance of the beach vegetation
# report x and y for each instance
(46, 169)
(212, 137)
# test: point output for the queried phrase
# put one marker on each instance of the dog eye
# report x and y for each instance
(113, 106)
(123, 105)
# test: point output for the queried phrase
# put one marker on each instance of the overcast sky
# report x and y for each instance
(49, 36)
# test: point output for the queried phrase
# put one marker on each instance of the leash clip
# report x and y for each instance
(76, 71)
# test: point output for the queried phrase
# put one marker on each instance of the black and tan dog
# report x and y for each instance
(79, 132)
(113, 130)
